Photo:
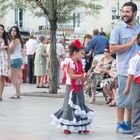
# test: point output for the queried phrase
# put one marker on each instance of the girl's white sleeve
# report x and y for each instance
(134, 66)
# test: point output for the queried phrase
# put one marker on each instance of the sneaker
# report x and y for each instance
(128, 123)
(123, 128)
(137, 137)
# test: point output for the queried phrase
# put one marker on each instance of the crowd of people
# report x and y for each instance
(11, 59)
(119, 76)
(25, 61)
(88, 66)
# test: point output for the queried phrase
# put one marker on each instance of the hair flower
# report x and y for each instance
(77, 43)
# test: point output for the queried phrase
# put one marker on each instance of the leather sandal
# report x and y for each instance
(15, 97)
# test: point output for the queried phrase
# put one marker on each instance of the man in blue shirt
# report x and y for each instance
(98, 43)
(123, 43)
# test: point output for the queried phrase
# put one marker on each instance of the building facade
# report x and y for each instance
(107, 18)
(85, 22)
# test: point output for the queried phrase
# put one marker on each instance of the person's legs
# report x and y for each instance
(122, 103)
(128, 118)
(93, 84)
(44, 79)
(33, 78)
(29, 68)
(93, 98)
(122, 127)
(48, 74)
(113, 102)
(114, 88)
(37, 81)
(41, 81)
(135, 91)
(120, 114)
(2, 82)
(128, 115)
(108, 94)
(20, 76)
(14, 77)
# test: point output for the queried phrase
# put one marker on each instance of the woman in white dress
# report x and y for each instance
(3, 59)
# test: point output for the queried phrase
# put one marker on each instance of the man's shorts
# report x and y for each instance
(16, 63)
(122, 100)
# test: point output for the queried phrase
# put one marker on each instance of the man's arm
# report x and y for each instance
(120, 48)
(128, 84)
(90, 46)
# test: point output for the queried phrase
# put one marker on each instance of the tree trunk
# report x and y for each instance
(53, 78)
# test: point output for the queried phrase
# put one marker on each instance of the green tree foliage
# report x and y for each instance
(62, 8)
(56, 11)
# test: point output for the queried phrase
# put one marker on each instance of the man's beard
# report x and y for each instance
(129, 20)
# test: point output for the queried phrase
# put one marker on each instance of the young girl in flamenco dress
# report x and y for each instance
(74, 115)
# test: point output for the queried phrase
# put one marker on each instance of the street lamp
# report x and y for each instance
(115, 13)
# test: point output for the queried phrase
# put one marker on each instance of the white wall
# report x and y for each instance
(9, 19)
(88, 22)
(31, 22)
(104, 18)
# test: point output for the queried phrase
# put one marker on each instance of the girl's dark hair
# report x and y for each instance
(18, 35)
(87, 36)
(4, 36)
(73, 48)
(132, 4)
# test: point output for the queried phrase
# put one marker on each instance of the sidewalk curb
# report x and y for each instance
(43, 94)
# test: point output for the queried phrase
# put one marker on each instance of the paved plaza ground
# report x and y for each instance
(29, 118)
